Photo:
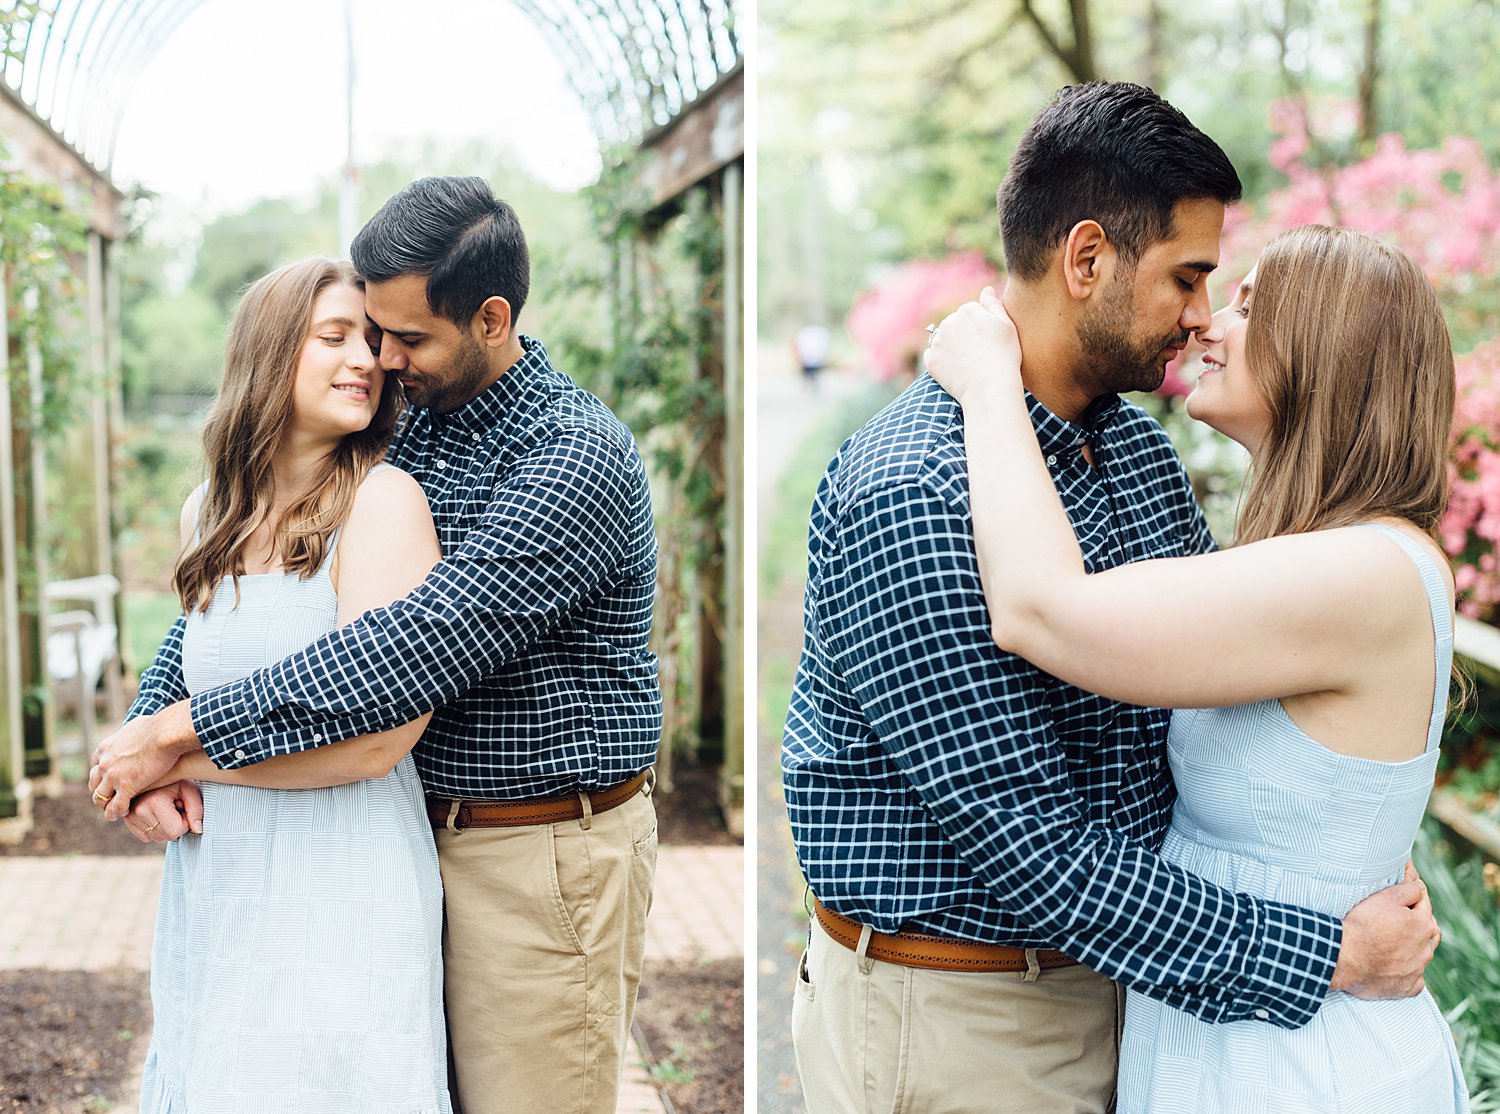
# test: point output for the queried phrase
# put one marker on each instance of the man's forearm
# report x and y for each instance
(1116, 906)
(174, 730)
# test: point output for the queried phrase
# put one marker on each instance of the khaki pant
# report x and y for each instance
(904, 1040)
(542, 950)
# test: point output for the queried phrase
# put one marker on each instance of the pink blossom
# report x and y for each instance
(888, 319)
(1442, 207)
(1471, 527)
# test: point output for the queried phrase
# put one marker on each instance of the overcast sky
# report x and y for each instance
(246, 99)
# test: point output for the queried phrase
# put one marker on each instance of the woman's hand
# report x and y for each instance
(976, 349)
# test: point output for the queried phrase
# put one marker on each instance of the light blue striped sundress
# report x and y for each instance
(297, 965)
(1264, 809)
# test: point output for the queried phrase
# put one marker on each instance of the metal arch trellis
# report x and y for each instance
(639, 68)
(635, 65)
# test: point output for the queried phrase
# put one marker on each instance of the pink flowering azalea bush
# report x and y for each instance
(1471, 528)
(888, 320)
(1441, 207)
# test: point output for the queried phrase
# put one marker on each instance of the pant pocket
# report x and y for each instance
(646, 842)
(572, 889)
(805, 987)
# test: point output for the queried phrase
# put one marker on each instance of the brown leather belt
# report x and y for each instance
(939, 953)
(540, 810)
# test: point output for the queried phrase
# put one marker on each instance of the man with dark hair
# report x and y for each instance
(977, 836)
(530, 641)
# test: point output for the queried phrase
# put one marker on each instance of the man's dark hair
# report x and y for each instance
(455, 232)
(1115, 153)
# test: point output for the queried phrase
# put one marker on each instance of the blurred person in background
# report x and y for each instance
(810, 348)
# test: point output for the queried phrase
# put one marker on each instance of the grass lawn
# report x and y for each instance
(148, 617)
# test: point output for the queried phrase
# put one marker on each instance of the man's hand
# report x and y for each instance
(162, 815)
(139, 755)
(1389, 938)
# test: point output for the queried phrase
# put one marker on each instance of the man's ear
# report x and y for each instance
(1088, 257)
(493, 321)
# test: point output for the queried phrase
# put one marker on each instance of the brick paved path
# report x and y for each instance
(90, 912)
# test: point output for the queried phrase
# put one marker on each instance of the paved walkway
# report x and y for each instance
(86, 912)
(789, 415)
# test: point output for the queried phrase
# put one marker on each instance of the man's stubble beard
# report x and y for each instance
(470, 370)
(1113, 361)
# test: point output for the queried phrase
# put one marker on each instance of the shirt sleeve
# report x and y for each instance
(903, 613)
(162, 684)
(557, 523)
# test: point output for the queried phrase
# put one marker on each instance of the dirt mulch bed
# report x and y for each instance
(693, 1019)
(692, 1015)
(690, 814)
(69, 1038)
(71, 825)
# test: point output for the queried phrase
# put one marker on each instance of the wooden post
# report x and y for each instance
(117, 434)
(688, 154)
(669, 584)
(707, 600)
(104, 557)
(107, 403)
(15, 787)
(732, 773)
(38, 712)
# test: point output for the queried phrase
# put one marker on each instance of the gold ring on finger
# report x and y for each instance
(103, 798)
(152, 828)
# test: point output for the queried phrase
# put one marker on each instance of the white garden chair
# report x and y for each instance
(83, 647)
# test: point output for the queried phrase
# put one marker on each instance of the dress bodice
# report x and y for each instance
(1323, 830)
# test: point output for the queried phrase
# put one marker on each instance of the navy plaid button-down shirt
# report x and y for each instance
(936, 784)
(529, 638)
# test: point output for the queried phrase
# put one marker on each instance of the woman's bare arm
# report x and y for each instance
(1278, 618)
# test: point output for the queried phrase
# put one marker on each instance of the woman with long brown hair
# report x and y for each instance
(1309, 662)
(297, 961)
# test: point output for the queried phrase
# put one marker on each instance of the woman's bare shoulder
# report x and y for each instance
(188, 522)
(389, 490)
(388, 502)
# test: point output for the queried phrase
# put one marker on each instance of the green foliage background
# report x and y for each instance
(885, 129)
(179, 290)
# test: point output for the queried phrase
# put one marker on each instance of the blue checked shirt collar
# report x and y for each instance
(1057, 436)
